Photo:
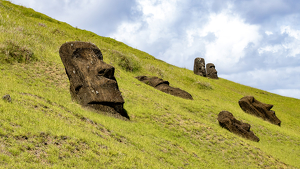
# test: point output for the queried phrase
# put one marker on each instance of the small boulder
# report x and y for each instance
(252, 106)
(227, 121)
(7, 98)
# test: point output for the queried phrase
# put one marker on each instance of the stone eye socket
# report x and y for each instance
(78, 88)
(101, 72)
(108, 73)
(76, 56)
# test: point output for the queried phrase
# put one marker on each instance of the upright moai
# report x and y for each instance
(211, 71)
(92, 81)
(199, 67)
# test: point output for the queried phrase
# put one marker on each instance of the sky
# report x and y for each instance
(251, 42)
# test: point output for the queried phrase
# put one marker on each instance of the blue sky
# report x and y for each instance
(252, 42)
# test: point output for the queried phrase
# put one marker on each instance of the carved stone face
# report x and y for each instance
(152, 81)
(163, 86)
(227, 121)
(92, 81)
(211, 71)
(199, 67)
(252, 106)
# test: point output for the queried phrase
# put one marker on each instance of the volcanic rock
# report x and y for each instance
(252, 106)
(199, 67)
(227, 121)
(7, 98)
(163, 86)
(211, 71)
(92, 81)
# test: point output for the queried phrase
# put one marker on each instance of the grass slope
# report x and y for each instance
(43, 128)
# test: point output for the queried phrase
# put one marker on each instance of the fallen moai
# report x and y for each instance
(199, 67)
(92, 81)
(252, 106)
(227, 121)
(163, 86)
(211, 71)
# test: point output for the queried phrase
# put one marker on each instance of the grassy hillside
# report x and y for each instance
(43, 128)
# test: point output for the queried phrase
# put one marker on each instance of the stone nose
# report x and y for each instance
(105, 70)
(269, 107)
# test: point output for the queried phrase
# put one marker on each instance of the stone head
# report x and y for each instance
(152, 81)
(252, 106)
(227, 121)
(211, 71)
(199, 67)
(92, 81)
(164, 86)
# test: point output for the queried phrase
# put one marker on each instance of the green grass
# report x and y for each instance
(43, 128)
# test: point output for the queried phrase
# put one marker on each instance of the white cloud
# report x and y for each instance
(291, 32)
(99, 16)
(232, 36)
(270, 48)
(268, 32)
(289, 47)
(154, 23)
(160, 32)
(221, 39)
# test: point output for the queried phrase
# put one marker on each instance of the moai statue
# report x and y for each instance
(199, 67)
(211, 71)
(92, 81)
(252, 106)
(227, 121)
(163, 86)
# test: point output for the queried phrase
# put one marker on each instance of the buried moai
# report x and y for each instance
(227, 121)
(211, 71)
(92, 81)
(199, 67)
(163, 86)
(252, 106)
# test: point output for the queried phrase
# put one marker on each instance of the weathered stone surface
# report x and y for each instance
(199, 67)
(252, 106)
(7, 98)
(92, 81)
(227, 121)
(211, 71)
(163, 86)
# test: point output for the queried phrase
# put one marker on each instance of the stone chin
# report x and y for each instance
(99, 94)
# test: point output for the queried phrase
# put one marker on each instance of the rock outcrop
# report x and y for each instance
(252, 106)
(163, 86)
(211, 71)
(227, 121)
(199, 67)
(92, 81)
